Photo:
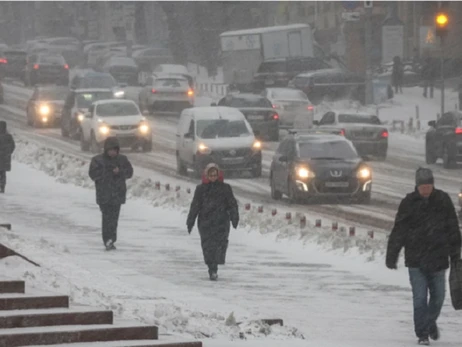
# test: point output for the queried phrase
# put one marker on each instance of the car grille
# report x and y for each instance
(231, 153)
(320, 186)
(124, 127)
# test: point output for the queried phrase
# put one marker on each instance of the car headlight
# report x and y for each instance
(44, 110)
(304, 172)
(364, 173)
(80, 117)
(144, 128)
(460, 195)
(256, 145)
(119, 94)
(44, 119)
(104, 129)
(203, 149)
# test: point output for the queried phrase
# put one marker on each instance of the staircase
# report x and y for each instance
(39, 319)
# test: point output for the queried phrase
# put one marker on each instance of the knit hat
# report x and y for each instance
(424, 176)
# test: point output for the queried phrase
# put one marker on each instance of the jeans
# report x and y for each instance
(426, 311)
(110, 221)
(2, 180)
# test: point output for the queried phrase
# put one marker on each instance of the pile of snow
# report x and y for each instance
(70, 169)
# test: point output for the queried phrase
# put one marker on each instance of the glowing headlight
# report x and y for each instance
(104, 129)
(203, 149)
(303, 172)
(80, 117)
(144, 128)
(44, 110)
(119, 94)
(460, 195)
(256, 145)
(44, 119)
(364, 173)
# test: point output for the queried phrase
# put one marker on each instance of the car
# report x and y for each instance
(174, 70)
(14, 63)
(46, 67)
(315, 165)
(119, 118)
(44, 108)
(220, 135)
(444, 140)
(166, 93)
(93, 79)
(293, 106)
(364, 130)
(259, 113)
(76, 105)
(123, 69)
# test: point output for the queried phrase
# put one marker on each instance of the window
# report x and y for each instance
(283, 146)
(117, 109)
(447, 120)
(250, 102)
(171, 83)
(52, 94)
(101, 81)
(288, 94)
(355, 118)
(52, 59)
(328, 118)
(216, 128)
(84, 100)
(327, 149)
(191, 127)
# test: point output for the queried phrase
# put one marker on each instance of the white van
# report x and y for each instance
(218, 135)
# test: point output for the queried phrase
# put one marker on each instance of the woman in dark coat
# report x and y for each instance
(215, 207)
(7, 147)
(397, 75)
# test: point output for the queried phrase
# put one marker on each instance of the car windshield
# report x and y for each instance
(355, 118)
(275, 66)
(288, 94)
(214, 128)
(122, 61)
(52, 94)
(117, 109)
(171, 82)
(327, 150)
(51, 59)
(98, 82)
(84, 100)
(250, 102)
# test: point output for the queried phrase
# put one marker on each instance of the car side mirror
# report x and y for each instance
(213, 104)
(284, 158)
(189, 136)
(316, 122)
(432, 123)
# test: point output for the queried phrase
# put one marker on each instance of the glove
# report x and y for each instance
(235, 224)
(392, 266)
(189, 229)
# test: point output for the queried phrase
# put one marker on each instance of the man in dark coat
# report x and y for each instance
(215, 206)
(110, 170)
(397, 75)
(427, 227)
(7, 147)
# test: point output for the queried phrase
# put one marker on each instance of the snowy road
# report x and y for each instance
(391, 179)
(157, 274)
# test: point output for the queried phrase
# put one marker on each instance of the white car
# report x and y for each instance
(293, 106)
(166, 93)
(119, 118)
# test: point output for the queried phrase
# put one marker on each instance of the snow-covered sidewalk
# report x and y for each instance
(157, 275)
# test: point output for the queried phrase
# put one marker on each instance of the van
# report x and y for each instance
(219, 135)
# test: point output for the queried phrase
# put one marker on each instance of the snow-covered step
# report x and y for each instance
(10, 286)
(75, 333)
(141, 343)
(28, 302)
(54, 316)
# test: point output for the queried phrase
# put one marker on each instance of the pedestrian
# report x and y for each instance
(7, 147)
(397, 75)
(428, 76)
(215, 207)
(426, 225)
(110, 170)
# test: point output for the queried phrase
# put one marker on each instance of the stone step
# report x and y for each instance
(54, 316)
(141, 343)
(10, 286)
(29, 302)
(75, 333)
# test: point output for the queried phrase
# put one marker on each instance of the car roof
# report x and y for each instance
(354, 113)
(276, 89)
(246, 96)
(48, 87)
(114, 101)
(313, 135)
(216, 112)
(170, 76)
(319, 72)
(177, 67)
(92, 90)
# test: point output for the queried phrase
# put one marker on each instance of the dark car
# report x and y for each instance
(444, 140)
(259, 113)
(93, 79)
(331, 84)
(45, 106)
(314, 165)
(123, 69)
(14, 63)
(278, 72)
(46, 68)
(365, 130)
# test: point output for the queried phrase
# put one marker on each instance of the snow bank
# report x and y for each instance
(70, 169)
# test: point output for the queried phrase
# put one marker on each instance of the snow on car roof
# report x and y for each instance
(355, 112)
(320, 137)
(264, 30)
(114, 101)
(162, 76)
(319, 72)
(215, 112)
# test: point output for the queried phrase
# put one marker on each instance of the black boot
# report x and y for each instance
(2, 189)
(213, 269)
(434, 332)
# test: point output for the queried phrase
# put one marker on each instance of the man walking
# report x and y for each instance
(110, 170)
(7, 147)
(426, 225)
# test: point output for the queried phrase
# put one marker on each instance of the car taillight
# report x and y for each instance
(310, 108)
(342, 132)
(384, 134)
(276, 106)
(66, 66)
(275, 116)
(153, 91)
(36, 66)
(190, 92)
(458, 130)
(3, 61)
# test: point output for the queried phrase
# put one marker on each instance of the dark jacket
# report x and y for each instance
(215, 207)
(7, 147)
(110, 187)
(429, 70)
(397, 74)
(428, 229)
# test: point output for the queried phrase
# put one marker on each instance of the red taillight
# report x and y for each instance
(342, 132)
(275, 116)
(66, 66)
(3, 61)
(276, 106)
(458, 130)
(384, 134)
(310, 108)
(36, 66)
(153, 91)
(190, 92)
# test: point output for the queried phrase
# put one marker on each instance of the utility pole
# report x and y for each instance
(441, 22)
(368, 49)
(442, 76)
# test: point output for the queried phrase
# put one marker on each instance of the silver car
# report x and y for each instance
(293, 106)
(166, 93)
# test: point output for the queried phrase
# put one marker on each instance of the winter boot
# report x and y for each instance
(423, 341)
(213, 269)
(434, 332)
(109, 245)
(213, 276)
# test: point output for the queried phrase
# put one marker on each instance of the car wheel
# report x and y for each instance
(448, 161)
(147, 147)
(257, 171)
(181, 168)
(430, 155)
(84, 146)
(95, 148)
(275, 194)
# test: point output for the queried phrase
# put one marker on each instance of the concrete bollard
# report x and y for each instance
(334, 226)
(318, 223)
(352, 231)
(302, 222)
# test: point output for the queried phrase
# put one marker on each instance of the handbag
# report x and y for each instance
(455, 284)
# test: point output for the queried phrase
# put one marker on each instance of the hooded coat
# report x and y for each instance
(110, 187)
(214, 206)
(7, 147)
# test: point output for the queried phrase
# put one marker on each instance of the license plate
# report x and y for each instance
(233, 160)
(256, 117)
(337, 184)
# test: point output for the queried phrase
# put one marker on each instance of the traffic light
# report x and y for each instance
(441, 22)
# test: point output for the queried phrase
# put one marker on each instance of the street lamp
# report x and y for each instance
(441, 30)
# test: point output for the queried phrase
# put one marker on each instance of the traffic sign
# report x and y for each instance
(350, 5)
